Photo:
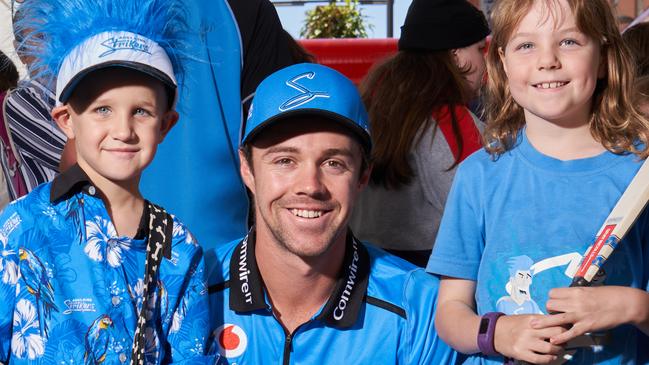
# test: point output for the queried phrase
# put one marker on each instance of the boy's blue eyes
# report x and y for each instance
(104, 110)
(140, 111)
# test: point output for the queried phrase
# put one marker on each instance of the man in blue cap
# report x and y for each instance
(300, 287)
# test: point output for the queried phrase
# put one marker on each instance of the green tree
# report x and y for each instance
(335, 21)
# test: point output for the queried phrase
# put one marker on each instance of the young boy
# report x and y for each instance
(91, 272)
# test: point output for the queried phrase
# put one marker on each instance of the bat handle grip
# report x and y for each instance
(579, 281)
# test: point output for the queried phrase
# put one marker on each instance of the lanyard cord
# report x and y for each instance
(159, 244)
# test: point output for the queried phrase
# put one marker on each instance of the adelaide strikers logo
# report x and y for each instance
(125, 42)
(305, 95)
(231, 340)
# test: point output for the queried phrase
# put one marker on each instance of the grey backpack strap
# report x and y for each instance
(158, 245)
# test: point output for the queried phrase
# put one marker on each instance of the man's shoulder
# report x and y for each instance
(218, 260)
(394, 280)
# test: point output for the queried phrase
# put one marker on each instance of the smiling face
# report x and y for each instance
(305, 177)
(116, 118)
(552, 67)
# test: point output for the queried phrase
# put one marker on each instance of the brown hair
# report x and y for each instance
(400, 94)
(637, 39)
(299, 54)
(614, 122)
(641, 95)
(8, 73)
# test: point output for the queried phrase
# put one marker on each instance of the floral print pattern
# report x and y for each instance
(63, 267)
(103, 243)
(26, 341)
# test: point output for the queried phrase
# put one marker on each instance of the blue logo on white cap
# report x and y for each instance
(306, 94)
(125, 43)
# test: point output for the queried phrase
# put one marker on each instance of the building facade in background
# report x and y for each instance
(626, 10)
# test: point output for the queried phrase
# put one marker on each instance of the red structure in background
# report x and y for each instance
(353, 57)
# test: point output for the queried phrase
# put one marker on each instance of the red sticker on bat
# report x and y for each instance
(594, 250)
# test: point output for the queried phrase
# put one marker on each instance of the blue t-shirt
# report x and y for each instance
(520, 225)
(71, 288)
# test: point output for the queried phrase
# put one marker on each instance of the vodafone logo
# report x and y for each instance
(232, 340)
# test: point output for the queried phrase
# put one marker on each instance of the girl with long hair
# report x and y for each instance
(563, 140)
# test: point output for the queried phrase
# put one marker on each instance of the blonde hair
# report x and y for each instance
(614, 121)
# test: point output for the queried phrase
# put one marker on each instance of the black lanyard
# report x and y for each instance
(159, 244)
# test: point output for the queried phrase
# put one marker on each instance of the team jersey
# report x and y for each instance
(71, 288)
(380, 311)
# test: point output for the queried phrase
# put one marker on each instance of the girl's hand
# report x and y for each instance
(515, 338)
(593, 309)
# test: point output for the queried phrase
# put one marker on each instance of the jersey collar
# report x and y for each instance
(341, 309)
(70, 182)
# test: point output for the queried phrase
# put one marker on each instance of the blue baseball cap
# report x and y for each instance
(307, 89)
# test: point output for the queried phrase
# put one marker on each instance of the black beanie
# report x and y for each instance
(435, 25)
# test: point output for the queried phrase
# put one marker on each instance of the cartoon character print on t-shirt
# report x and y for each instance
(518, 298)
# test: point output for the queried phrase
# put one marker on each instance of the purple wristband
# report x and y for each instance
(486, 333)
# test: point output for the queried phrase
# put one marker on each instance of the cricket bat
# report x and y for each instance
(617, 224)
(615, 227)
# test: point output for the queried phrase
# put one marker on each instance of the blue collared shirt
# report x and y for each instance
(71, 288)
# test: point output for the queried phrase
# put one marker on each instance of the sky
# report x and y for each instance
(292, 17)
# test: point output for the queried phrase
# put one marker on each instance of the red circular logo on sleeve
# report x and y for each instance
(231, 339)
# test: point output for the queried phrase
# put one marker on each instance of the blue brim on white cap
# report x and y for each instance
(304, 90)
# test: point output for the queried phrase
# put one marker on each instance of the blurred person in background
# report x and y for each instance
(35, 141)
(641, 97)
(637, 39)
(298, 52)
(421, 126)
(8, 80)
(8, 73)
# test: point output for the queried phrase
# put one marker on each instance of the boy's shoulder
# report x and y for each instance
(31, 218)
(36, 205)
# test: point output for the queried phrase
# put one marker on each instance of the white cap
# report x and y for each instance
(113, 49)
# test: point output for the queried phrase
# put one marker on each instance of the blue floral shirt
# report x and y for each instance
(71, 288)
